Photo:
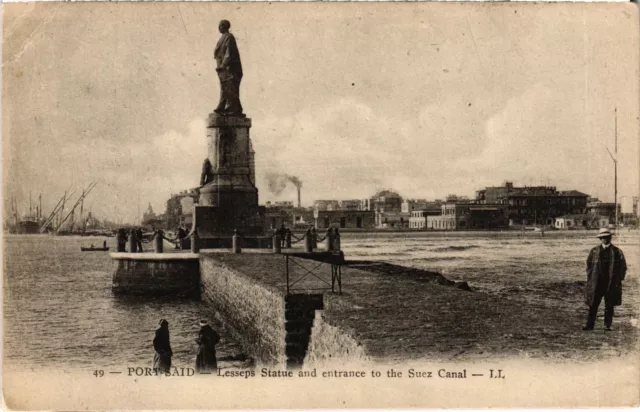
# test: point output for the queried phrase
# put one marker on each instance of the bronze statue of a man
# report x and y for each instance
(229, 70)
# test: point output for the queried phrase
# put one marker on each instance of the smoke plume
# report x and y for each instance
(278, 182)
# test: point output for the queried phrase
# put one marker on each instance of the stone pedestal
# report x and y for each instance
(229, 201)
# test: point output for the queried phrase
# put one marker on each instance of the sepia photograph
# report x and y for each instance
(323, 205)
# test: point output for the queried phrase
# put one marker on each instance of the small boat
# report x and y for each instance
(94, 249)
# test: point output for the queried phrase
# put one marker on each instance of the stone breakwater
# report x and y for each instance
(151, 274)
(248, 293)
(254, 312)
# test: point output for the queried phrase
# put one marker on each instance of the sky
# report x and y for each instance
(426, 99)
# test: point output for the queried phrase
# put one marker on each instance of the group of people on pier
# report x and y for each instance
(206, 340)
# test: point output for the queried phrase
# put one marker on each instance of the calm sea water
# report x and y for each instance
(540, 269)
(59, 310)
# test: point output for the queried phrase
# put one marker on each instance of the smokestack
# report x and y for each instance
(299, 202)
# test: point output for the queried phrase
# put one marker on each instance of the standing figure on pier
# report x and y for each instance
(139, 239)
(283, 234)
(287, 236)
(207, 341)
(606, 269)
(229, 69)
(121, 237)
(162, 346)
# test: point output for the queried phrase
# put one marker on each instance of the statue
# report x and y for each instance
(229, 69)
(207, 172)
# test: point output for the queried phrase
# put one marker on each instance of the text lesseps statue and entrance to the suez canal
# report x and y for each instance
(229, 69)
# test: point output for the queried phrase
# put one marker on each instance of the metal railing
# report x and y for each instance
(334, 259)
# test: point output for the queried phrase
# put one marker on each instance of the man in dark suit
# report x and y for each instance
(229, 69)
(606, 269)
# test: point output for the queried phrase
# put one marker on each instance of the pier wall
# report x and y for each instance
(330, 344)
(254, 311)
(156, 274)
(273, 327)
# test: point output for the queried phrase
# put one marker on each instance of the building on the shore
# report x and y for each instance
(386, 201)
(149, 219)
(179, 209)
(629, 209)
(581, 221)
(595, 207)
(282, 204)
(411, 205)
(276, 217)
(323, 205)
(534, 205)
(344, 219)
(285, 213)
(441, 222)
(418, 218)
(387, 206)
(351, 204)
(487, 216)
(391, 220)
(302, 217)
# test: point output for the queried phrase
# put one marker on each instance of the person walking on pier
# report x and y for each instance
(162, 346)
(122, 240)
(139, 239)
(207, 341)
(181, 234)
(283, 234)
(606, 269)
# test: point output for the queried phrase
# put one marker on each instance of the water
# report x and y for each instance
(59, 310)
(541, 270)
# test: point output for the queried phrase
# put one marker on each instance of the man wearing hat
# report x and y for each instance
(606, 269)
(207, 340)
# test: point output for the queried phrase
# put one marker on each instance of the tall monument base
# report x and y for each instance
(228, 198)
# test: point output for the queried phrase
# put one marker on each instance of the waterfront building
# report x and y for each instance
(410, 205)
(441, 222)
(595, 207)
(302, 217)
(581, 221)
(276, 216)
(149, 219)
(351, 204)
(391, 220)
(487, 216)
(282, 204)
(386, 201)
(387, 206)
(629, 209)
(418, 218)
(344, 219)
(323, 205)
(533, 205)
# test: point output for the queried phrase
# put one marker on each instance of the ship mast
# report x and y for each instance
(615, 172)
(84, 194)
(615, 169)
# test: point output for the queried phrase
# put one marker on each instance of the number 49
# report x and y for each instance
(98, 373)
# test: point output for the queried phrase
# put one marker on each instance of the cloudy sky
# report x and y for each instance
(427, 99)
